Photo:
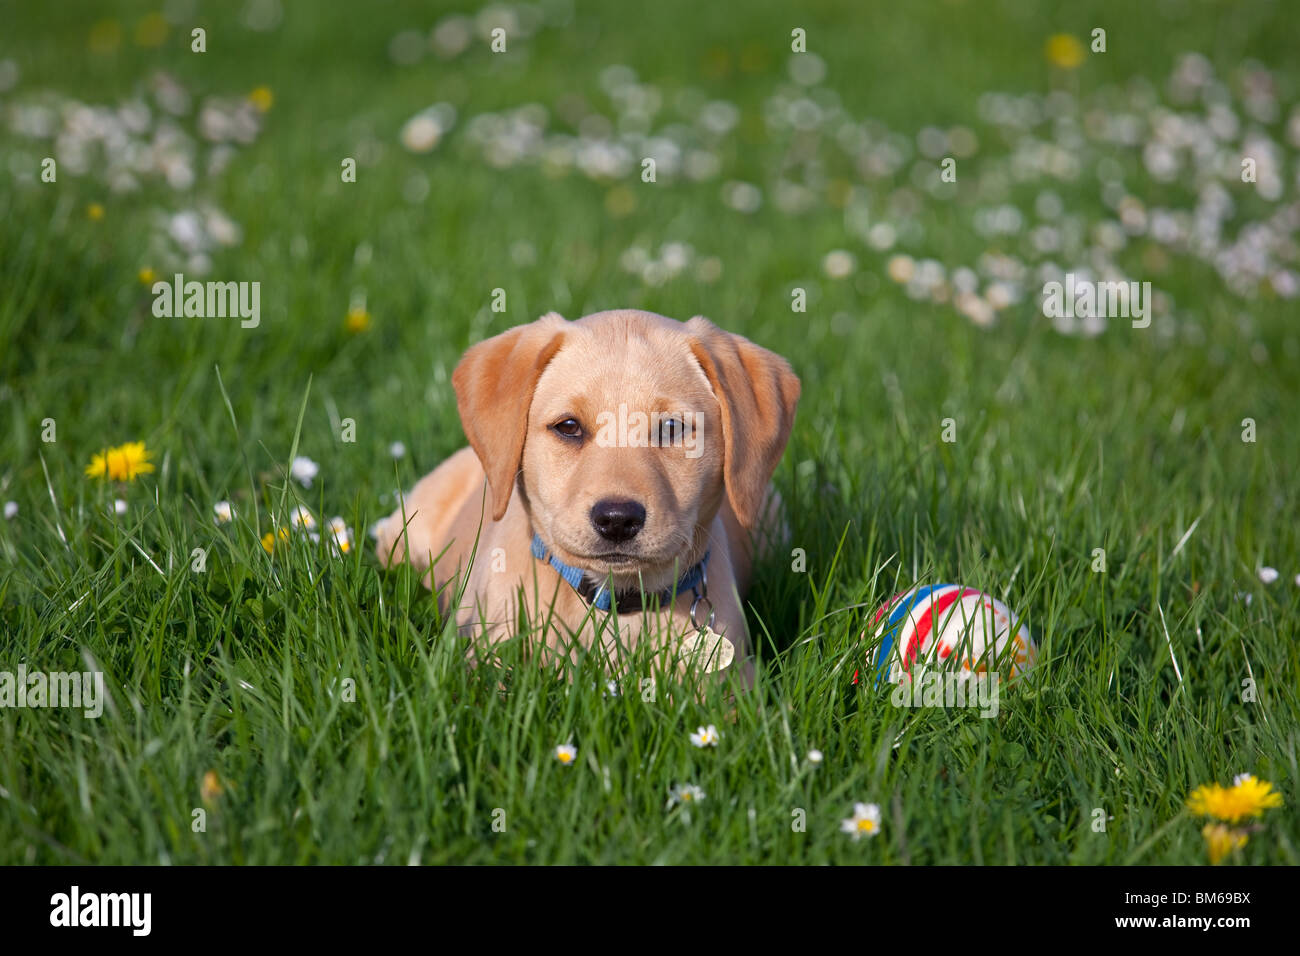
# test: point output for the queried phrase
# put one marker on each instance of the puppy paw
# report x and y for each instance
(398, 540)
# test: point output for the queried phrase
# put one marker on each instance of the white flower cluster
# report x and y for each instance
(154, 136)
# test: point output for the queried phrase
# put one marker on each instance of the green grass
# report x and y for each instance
(1065, 444)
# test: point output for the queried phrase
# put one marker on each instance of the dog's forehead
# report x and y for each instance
(629, 331)
(610, 356)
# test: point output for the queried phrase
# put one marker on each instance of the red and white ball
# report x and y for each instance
(949, 627)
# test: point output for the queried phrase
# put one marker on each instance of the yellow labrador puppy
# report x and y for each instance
(616, 482)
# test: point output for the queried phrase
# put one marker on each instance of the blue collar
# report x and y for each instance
(600, 597)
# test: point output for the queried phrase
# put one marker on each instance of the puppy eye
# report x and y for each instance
(569, 428)
(670, 431)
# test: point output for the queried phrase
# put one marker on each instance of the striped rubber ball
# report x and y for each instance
(949, 627)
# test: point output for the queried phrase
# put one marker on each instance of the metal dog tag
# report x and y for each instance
(709, 649)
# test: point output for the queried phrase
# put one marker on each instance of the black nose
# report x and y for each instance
(617, 520)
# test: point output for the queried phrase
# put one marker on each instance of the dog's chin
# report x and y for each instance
(629, 569)
(632, 575)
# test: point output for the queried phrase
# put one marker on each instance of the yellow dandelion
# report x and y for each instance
(262, 98)
(619, 202)
(268, 539)
(105, 36)
(717, 63)
(1065, 51)
(147, 276)
(754, 58)
(358, 319)
(123, 463)
(1220, 840)
(1247, 797)
(1255, 795)
(211, 787)
(94, 212)
(839, 192)
(151, 30)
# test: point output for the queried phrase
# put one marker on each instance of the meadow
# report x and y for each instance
(400, 191)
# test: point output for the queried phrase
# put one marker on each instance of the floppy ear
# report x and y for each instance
(494, 385)
(758, 392)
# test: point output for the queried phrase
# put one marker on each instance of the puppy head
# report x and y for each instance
(625, 430)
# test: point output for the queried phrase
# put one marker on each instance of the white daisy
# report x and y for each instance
(1268, 575)
(222, 513)
(451, 36)
(302, 518)
(304, 470)
(814, 757)
(705, 737)
(864, 822)
(119, 506)
(685, 793)
(839, 264)
(421, 133)
(341, 534)
(742, 197)
(566, 754)
(882, 236)
(709, 269)
(11, 509)
(901, 269)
